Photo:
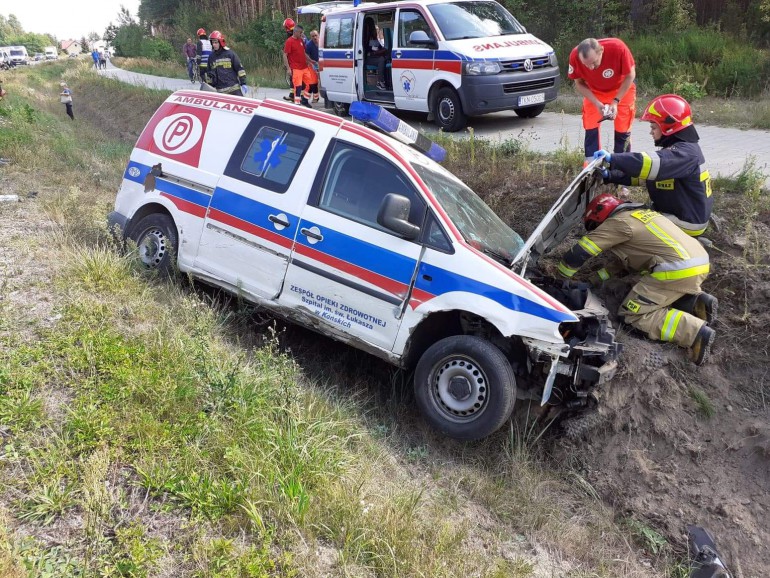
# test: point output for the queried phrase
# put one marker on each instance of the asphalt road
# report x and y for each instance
(726, 149)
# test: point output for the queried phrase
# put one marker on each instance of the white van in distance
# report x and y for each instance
(51, 53)
(354, 234)
(18, 55)
(450, 59)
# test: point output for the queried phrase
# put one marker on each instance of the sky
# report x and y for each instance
(67, 19)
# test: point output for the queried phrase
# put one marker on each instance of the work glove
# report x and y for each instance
(605, 174)
(603, 154)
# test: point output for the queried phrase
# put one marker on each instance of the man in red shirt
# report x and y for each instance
(604, 74)
(298, 63)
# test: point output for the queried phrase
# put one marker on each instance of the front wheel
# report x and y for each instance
(341, 108)
(156, 242)
(448, 110)
(465, 387)
(529, 111)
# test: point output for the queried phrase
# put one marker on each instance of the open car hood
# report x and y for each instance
(565, 214)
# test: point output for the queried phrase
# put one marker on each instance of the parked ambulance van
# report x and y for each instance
(347, 230)
(450, 59)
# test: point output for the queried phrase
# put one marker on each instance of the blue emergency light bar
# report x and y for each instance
(376, 116)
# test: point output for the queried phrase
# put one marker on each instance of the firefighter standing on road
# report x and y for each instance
(678, 186)
(226, 73)
(667, 303)
(203, 51)
(604, 72)
(288, 27)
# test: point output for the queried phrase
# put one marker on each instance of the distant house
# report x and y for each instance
(71, 46)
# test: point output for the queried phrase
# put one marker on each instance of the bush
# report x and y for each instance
(157, 49)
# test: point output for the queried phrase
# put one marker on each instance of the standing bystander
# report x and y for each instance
(604, 73)
(189, 52)
(65, 97)
(311, 49)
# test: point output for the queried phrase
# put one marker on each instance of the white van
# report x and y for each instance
(51, 53)
(349, 232)
(18, 55)
(451, 59)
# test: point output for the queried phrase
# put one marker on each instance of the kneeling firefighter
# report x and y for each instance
(667, 303)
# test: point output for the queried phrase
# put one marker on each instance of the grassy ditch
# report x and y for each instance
(151, 428)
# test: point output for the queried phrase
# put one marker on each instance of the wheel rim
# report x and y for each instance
(459, 388)
(446, 110)
(152, 247)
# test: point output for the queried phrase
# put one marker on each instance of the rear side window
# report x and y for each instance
(339, 31)
(269, 154)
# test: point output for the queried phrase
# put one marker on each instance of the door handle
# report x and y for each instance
(280, 220)
(313, 234)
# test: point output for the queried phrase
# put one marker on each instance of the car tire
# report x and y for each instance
(529, 111)
(448, 110)
(465, 387)
(341, 108)
(156, 241)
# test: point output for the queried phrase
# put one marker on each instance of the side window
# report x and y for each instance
(268, 154)
(434, 235)
(339, 31)
(408, 22)
(357, 181)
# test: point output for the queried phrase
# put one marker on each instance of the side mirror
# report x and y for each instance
(394, 215)
(420, 38)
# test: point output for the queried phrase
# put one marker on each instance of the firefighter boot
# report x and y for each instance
(701, 347)
(706, 306)
(702, 305)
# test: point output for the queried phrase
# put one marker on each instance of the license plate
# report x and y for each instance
(532, 99)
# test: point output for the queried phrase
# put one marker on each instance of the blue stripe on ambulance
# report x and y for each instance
(363, 255)
(443, 281)
(172, 189)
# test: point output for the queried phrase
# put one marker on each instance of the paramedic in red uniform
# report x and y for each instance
(301, 67)
(604, 74)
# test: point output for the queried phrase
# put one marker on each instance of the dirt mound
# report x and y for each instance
(682, 444)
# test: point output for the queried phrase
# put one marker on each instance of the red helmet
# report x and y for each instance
(201, 32)
(289, 25)
(599, 209)
(670, 112)
(217, 35)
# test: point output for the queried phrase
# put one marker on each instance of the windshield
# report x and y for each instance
(17, 53)
(474, 20)
(478, 224)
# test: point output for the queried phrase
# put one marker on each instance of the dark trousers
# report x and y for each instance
(68, 105)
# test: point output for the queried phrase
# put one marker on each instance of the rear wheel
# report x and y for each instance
(465, 387)
(156, 241)
(448, 110)
(529, 111)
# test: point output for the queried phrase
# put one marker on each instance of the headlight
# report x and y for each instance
(552, 59)
(479, 68)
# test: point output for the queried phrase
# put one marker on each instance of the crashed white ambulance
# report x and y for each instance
(451, 59)
(344, 229)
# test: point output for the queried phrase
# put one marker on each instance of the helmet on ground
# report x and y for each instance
(201, 32)
(599, 209)
(217, 35)
(288, 25)
(670, 112)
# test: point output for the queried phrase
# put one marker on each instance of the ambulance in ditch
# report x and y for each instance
(450, 59)
(353, 229)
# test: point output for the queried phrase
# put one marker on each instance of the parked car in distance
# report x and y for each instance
(73, 55)
(39, 56)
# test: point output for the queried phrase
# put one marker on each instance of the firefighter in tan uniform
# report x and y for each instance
(667, 303)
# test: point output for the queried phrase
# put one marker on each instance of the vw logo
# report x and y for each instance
(528, 65)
